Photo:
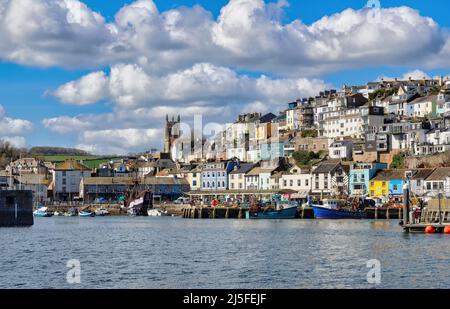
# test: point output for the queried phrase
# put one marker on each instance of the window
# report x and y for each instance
(291, 183)
(223, 184)
(285, 183)
(395, 187)
(194, 175)
(372, 192)
(384, 193)
(240, 185)
(383, 184)
(306, 182)
(325, 184)
(232, 185)
(232, 177)
(194, 183)
(64, 181)
(428, 185)
(64, 173)
(418, 182)
(299, 182)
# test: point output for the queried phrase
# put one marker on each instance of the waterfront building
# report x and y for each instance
(237, 176)
(388, 184)
(113, 188)
(194, 178)
(66, 179)
(360, 175)
(36, 183)
(417, 183)
(297, 179)
(438, 182)
(215, 175)
(330, 178)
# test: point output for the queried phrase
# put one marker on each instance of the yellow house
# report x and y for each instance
(379, 188)
(194, 177)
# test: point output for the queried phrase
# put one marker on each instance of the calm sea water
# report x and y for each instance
(163, 252)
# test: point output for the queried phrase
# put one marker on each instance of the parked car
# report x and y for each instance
(182, 200)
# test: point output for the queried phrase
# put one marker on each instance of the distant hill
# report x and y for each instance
(57, 151)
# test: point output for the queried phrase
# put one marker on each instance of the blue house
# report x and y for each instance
(215, 175)
(360, 174)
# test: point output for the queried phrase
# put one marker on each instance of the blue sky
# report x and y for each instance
(27, 87)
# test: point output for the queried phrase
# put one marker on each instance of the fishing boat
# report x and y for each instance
(86, 214)
(335, 209)
(102, 212)
(43, 212)
(274, 210)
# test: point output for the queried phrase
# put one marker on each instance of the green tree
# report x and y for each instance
(398, 161)
(304, 158)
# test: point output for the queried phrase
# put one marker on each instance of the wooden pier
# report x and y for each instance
(384, 213)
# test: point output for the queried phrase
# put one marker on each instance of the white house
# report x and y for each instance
(297, 179)
(341, 150)
(66, 179)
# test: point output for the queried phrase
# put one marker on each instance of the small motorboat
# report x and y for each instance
(282, 210)
(58, 214)
(334, 209)
(86, 214)
(43, 212)
(102, 212)
(157, 213)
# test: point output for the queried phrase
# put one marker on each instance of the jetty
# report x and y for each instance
(434, 218)
(16, 208)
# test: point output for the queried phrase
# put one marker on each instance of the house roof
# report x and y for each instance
(439, 173)
(267, 118)
(71, 165)
(326, 167)
(392, 174)
(423, 173)
(259, 170)
(424, 99)
(243, 168)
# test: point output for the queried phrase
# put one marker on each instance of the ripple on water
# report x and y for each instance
(173, 253)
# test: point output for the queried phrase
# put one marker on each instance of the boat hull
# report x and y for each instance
(326, 213)
(85, 215)
(289, 213)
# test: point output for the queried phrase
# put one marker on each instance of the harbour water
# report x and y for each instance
(124, 252)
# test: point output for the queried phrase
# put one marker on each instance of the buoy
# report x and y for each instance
(447, 229)
(430, 230)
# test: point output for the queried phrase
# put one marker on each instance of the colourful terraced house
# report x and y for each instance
(388, 184)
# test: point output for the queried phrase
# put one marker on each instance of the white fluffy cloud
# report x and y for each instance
(87, 90)
(130, 86)
(11, 129)
(248, 34)
(185, 61)
(119, 141)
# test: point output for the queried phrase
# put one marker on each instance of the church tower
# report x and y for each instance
(171, 132)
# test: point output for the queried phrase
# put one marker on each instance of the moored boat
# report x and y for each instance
(102, 212)
(43, 212)
(334, 209)
(281, 210)
(58, 214)
(86, 214)
(157, 213)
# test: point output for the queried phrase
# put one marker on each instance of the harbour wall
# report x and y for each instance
(16, 208)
